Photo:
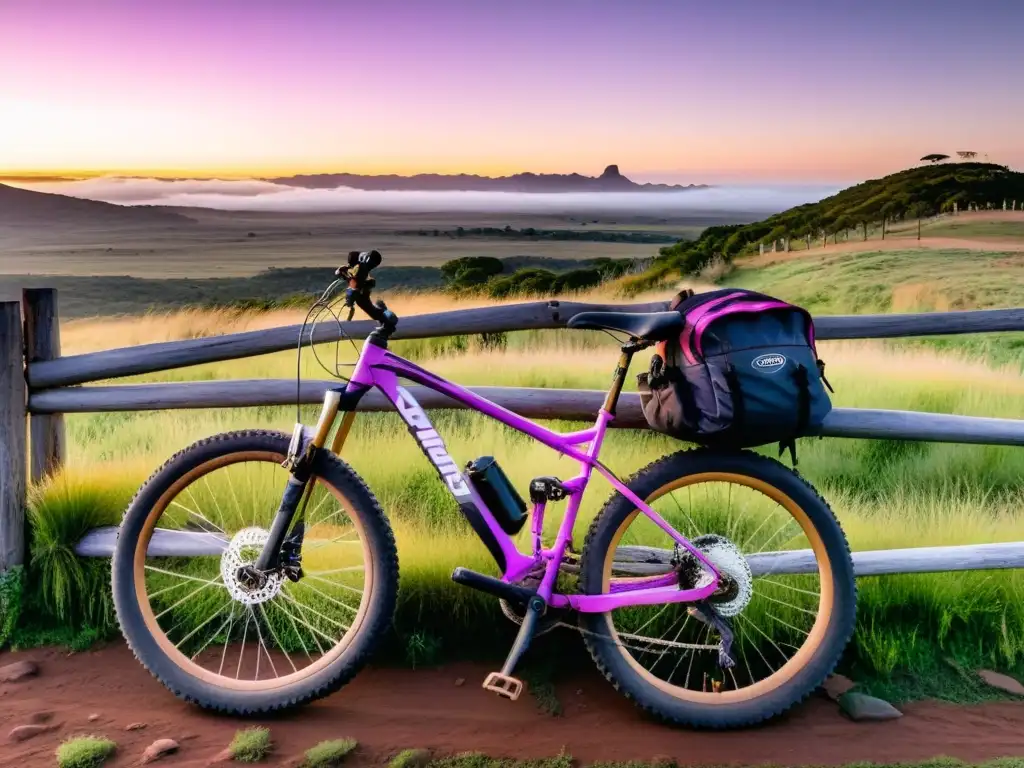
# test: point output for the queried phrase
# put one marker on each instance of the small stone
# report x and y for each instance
(135, 726)
(459, 682)
(1002, 682)
(24, 732)
(861, 707)
(94, 717)
(836, 685)
(41, 717)
(417, 758)
(159, 748)
(18, 671)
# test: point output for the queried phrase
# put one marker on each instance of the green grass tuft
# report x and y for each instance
(12, 595)
(478, 760)
(410, 758)
(328, 754)
(250, 745)
(85, 752)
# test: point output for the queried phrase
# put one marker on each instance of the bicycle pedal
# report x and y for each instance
(505, 686)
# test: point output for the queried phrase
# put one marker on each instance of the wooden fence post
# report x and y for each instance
(12, 437)
(47, 437)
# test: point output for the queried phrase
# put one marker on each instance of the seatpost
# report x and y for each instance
(629, 349)
(611, 400)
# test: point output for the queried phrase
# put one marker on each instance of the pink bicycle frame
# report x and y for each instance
(380, 368)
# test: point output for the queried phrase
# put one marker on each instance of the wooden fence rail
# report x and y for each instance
(533, 403)
(167, 355)
(51, 392)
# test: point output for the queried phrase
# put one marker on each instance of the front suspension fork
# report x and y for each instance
(299, 462)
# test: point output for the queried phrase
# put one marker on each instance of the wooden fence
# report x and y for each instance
(37, 382)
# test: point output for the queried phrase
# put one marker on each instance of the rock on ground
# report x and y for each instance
(25, 732)
(836, 685)
(159, 748)
(1002, 682)
(861, 707)
(18, 671)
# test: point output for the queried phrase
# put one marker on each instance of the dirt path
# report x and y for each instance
(388, 710)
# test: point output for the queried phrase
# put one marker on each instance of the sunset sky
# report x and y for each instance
(668, 89)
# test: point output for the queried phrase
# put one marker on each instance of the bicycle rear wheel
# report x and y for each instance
(223, 643)
(742, 510)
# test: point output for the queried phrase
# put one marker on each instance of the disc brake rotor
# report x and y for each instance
(243, 550)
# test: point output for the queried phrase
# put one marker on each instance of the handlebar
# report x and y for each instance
(357, 273)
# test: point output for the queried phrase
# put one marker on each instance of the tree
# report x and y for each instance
(919, 210)
(934, 158)
(967, 155)
(470, 271)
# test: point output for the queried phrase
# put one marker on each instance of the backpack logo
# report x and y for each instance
(768, 363)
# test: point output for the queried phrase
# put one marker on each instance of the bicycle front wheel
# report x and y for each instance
(216, 639)
(753, 518)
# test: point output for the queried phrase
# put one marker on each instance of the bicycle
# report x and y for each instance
(308, 579)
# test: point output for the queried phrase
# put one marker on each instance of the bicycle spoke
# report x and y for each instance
(314, 630)
(214, 635)
(186, 597)
(760, 631)
(302, 609)
(273, 634)
(789, 605)
(227, 642)
(216, 528)
(333, 584)
(349, 569)
(689, 667)
(241, 652)
(790, 586)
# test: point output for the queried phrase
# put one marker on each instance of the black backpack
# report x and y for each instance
(744, 372)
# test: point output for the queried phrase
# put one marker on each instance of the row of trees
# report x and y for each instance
(486, 275)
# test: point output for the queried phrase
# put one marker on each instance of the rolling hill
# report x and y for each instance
(914, 193)
(25, 208)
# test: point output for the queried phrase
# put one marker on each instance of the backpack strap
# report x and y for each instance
(803, 416)
(738, 407)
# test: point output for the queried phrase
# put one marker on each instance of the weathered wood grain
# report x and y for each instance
(47, 435)
(534, 403)
(12, 437)
(648, 561)
(146, 358)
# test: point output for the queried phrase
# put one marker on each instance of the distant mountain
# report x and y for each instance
(609, 181)
(23, 207)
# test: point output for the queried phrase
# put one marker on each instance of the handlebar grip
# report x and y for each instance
(366, 260)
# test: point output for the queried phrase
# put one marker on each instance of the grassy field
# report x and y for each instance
(927, 280)
(221, 244)
(885, 493)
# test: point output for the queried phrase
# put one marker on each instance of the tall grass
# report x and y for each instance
(886, 493)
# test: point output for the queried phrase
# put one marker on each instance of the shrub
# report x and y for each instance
(328, 754)
(84, 752)
(250, 745)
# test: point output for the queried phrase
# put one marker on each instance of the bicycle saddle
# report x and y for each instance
(652, 326)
